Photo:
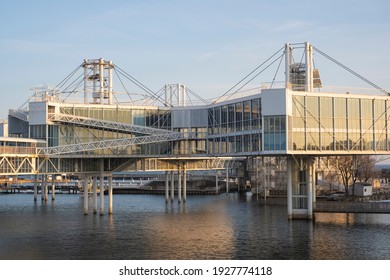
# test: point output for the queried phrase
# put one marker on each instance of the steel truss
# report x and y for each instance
(107, 125)
(87, 165)
(115, 143)
(157, 164)
(18, 164)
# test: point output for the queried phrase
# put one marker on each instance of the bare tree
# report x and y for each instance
(345, 166)
(366, 167)
(353, 168)
(332, 177)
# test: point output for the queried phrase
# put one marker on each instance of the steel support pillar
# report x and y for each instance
(85, 185)
(35, 187)
(53, 187)
(46, 188)
(101, 193)
(94, 194)
(179, 181)
(166, 186)
(110, 194)
(300, 188)
(216, 182)
(289, 188)
(309, 185)
(172, 186)
(42, 187)
(314, 178)
(227, 181)
(185, 184)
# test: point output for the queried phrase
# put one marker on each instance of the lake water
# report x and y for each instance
(206, 227)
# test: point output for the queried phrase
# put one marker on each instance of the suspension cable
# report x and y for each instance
(254, 70)
(351, 71)
(140, 85)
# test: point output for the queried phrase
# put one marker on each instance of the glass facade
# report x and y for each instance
(312, 123)
(235, 128)
(72, 134)
(322, 123)
(274, 133)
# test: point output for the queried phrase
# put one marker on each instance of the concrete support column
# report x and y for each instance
(166, 186)
(216, 182)
(309, 67)
(35, 187)
(94, 194)
(85, 185)
(179, 179)
(289, 188)
(53, 187)
(46, 187)
(101, 193)
(227, 180)
(85, 83)
(185, 184)
(110, 194)
(314, 176)
(309, 185)
(172, 186)
(42, 187)
(101, 187)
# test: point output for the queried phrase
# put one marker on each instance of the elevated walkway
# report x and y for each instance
(107, 125)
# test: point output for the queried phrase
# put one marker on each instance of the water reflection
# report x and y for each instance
(206, 227)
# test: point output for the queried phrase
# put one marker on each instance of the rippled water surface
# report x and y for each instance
(206, 227)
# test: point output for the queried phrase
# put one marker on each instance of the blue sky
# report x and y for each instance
(207, 45)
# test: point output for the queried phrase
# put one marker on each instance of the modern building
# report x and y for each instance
(297, 120)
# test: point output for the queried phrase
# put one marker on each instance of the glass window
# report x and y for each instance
(380, 128)
(367, 124)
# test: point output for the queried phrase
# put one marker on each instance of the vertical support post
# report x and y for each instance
(309, 67)
(101, 192)
(179, 179)
(172, 186)
(35, 187)
(94, 194)
(110, 194)
(110, 66)
(85, 182)
(42, 187)
(288, 57)
(185, 184)
(166, 186)
(314, 176)
(46, 187)
(94, 92)
(227, 180)
(178, 95)
(53, 187)
(101, 78)
(85, 82)
(309, 188)
(289, 188)
(216, 182)
(184, 95)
